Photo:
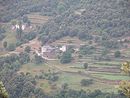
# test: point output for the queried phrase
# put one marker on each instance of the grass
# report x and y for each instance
(73, 80)
(35, 18)
(70, 67)
(34, 69)
(70, 78)
(3, 53)
(10, 34)
(69, 40)
(106, 64)
(111, 76)
(10, 37)
(43, 84)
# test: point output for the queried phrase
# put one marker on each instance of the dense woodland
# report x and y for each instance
(101, 21)
(107, 21)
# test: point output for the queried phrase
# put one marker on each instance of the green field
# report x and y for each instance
(34, 69)
(111, 76)
(10, 34)
(73, 80)
(36, 18)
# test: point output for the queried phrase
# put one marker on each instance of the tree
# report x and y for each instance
(126, 67)
(95, 93)
(4, 44)
(27, 49)
(124, 88)
(105, 52)
(86, 50)
(28, 88)
(19, 31)
(65, 86)
(61, 8)
(24, 57)
(117, 54)
(3, 92)
(38, 59)
(85, 65)
(25, 19)
(66, 57)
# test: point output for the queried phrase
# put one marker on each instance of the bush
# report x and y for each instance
(27, 49)
(117, 54)
(30, 36)
(86, 50)
(11, 47)
(4, 44)
(86, 82)
(18, 43)
(38, 59)
(66, 58)
(2, 37)
(85, 65)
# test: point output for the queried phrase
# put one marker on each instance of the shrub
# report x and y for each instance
(11, 47)
(86, 82)
(117, 54)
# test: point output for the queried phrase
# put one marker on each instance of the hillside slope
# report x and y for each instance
(109, 18)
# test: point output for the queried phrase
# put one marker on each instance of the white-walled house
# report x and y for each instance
(18, 27)
(47, 49)
(63, 48)
(80, 11)
(23, 27)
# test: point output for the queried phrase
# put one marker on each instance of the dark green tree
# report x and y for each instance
(86, 82)
(38, 59)
(24, 58)
(85, 65)
(27, 49)
(66, 57)
(19, 31)
(5, 44)
(117, 54)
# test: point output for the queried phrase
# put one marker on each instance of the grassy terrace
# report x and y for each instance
(109, 76)
(72, 79)
(33, 68)
(35, 18)
(10, 35)
(74, 82)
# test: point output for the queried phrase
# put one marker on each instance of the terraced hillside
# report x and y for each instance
(64, 48)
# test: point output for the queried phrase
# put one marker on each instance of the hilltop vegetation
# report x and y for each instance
(81, 18)
(86, 19)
